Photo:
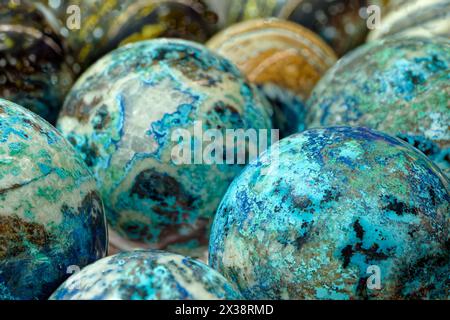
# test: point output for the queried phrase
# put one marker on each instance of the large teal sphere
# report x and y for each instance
(121, 115)
(146, 275)
(51, 214)
(322, 210)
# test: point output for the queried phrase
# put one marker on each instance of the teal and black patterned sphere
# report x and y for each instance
(122, 115)
(321, 209)
(398, 86)
(51, 215)
(146, 275)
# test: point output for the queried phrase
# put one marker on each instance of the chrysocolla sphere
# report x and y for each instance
(122, 115)
(321, 209)
(146, 275)
(51, 215)
(398, 86)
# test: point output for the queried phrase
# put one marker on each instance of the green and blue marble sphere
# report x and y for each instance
(51, 215)
(400, 86)
(121, 116)
(313, 215)
(146, 275)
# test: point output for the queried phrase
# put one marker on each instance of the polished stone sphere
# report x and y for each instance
(398, 86)
(123, 114)
(283, 58)
(146, 275)
(51, 215)
(317, 214)
(339, 22)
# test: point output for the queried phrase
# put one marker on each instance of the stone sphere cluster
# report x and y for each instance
(210, 149)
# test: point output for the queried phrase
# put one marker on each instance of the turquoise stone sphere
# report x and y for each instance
(121, 115)
(51, 215)
(321, 211)
(146, 275)
(398, 85)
